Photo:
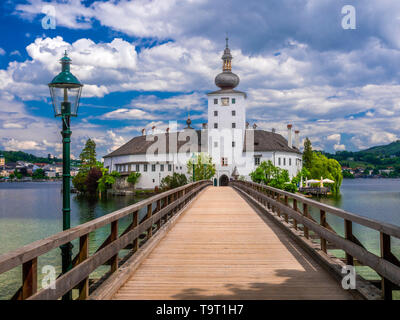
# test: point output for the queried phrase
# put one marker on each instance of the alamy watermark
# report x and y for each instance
(49, 20)
(49, 278)
(349, 19)
(349, 280)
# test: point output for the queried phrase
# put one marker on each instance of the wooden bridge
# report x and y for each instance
(245, 241)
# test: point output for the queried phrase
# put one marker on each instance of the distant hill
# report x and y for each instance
(14, 156)
(391, 149)
(379, 157)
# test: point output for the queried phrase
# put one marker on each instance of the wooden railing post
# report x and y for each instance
(83, 255)
(29, 278)
(149, 213)
(114, 236)
(278, 199)
(305, 214)
(322, 215)
(286, 204)
(158, 209)
(135, 223)
(348, 233)
(387, 286)
(295, 208)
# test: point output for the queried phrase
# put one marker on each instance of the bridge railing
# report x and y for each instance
(160, 208)
(295, 210)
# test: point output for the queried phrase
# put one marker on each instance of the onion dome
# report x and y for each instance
(227, 79)
(188, 122)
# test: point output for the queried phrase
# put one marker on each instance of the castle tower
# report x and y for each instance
(226, 117)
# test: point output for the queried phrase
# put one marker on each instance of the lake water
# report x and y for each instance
(32, 211)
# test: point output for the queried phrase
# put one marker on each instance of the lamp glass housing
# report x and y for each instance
(64, 97)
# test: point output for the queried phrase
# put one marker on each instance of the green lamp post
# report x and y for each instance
(65, 90)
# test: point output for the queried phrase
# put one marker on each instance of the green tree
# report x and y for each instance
(17, 174)
(92, 178)
(204, 169)
(307, 154)
(173, 181)
(347, 174)
(38, 174)
(79, 181)
(107, 179)
(323, 167)
(273, 176)
(133, 178)
(88, 155)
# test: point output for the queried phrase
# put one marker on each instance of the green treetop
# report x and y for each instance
(88, 155)
(204, 169)
(307, 154)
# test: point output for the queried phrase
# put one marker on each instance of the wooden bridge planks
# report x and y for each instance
(221, 249)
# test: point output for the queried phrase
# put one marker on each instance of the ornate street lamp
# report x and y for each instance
(65, 90)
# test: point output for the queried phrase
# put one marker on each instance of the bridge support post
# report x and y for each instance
(83, 255)
(348, 233)
(305, 214)
(114, 236)
(322, 216)
(295, 208)
(29, 278)
(387, 285)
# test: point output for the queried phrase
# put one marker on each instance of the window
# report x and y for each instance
(137, 168)
(257, 161)
(225, 101)
(233, 125)
(169, 167)
(215, 144)
(153, 167)
(161, 167)
(224, 161)
(233, 100)
(215, 113)
(233, 144)
(215, 101)
(284, 161)
(279, 161)
(290, 161)
(145, 167)
(181, 167)
(215, 125)
(233, 113)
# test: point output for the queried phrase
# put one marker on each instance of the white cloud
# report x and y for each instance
(334, 137)
(339, 147)
(15, 145)
(2, 52)
(127, 114)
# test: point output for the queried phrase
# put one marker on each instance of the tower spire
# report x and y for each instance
(227, 57)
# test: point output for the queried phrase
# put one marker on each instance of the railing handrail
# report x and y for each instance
(37, 248)
(384, 227)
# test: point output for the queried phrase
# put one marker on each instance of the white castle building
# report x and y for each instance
(235, 147)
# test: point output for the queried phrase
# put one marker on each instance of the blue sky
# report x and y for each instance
(145, 63)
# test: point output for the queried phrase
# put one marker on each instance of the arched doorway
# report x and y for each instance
(223, 180)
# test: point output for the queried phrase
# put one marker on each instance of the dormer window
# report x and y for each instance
(225, 101)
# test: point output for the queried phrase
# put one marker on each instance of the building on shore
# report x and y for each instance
(235, 147)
